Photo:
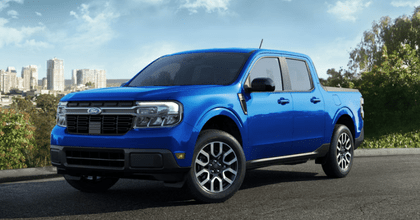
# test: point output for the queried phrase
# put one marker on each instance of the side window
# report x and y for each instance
(268, 68)
(299, 75)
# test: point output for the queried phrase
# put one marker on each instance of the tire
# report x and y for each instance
(218, 167)
(91, 184)
(339, 159)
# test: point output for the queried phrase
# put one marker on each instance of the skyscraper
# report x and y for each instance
(97, 77)
(26, 76)
(74, 77)
(34, 76)
(55, 74)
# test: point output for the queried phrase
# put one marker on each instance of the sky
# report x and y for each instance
(123, 36)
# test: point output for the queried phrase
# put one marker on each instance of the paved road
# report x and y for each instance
(377, 188)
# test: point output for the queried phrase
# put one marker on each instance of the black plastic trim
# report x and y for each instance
(360, 139)
(165, 170)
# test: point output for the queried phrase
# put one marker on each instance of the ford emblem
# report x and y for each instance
(94, 111)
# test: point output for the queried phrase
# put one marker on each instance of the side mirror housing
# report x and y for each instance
(262, 85)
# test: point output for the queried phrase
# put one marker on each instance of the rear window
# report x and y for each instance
(216, 68)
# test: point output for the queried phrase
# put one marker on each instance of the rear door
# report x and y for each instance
(270, 114)
(308, 107)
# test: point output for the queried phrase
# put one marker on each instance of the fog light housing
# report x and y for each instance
(180, 156)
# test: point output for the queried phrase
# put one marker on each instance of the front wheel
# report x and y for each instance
(339, 159)
(218, 167)
(91, 184)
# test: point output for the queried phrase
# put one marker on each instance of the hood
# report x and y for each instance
(135, 93)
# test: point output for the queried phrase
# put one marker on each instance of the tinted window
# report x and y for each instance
(192, 69)
(268, 68)
(299, 75)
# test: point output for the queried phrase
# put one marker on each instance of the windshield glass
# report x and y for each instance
(216, 68)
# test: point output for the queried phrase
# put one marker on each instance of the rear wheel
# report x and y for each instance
(91, 184)
(339, 159)
(218, 167)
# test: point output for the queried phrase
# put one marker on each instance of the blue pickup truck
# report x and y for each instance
(199, 119)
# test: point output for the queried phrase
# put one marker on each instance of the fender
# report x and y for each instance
(340, 112)
(216, 112)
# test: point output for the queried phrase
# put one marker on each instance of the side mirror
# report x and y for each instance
(123, 84)
(262, 85)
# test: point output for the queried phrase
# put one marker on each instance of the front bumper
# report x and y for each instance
(152, 164)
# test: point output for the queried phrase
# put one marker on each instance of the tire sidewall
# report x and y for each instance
(198, 192)
(340, 129)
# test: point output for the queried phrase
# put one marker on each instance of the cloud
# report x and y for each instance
(16, 35)
(220, 6)
(35, 44)
(13, 14)
(5, 3)
(346, 10)
(405, 3)
(37, 13)
(150, 53)
(93, 23)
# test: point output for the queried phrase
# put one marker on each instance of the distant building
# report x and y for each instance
(74, 77)
(97, 77)
(26, 76)
(19, 83)
(8, 79)
(55, 74)
(44, 83)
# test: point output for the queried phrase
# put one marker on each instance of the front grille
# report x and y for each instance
(99, 124)
(94, 158)
(101, 104)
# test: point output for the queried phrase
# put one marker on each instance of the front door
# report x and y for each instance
(270, 114)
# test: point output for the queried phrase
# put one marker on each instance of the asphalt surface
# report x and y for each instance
(380, 187)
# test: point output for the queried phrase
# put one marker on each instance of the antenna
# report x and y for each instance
(261, 43)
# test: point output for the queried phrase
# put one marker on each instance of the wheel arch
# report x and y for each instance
(345, 117)
(222, 119)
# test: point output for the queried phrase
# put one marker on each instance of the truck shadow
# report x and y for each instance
(57, 198)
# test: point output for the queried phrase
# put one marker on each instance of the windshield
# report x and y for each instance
(216, 68)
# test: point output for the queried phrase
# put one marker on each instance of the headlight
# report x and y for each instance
(158, 114)
(61, 114)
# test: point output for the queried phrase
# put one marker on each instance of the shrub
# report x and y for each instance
(16, 138)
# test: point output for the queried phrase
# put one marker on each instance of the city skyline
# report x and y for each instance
(54, 80)
(122, 37)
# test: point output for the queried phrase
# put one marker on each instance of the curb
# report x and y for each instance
(15, 175)
(385, 152)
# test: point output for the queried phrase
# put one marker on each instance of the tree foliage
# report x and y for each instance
(392, 34)
(16, 139)
(42, 117)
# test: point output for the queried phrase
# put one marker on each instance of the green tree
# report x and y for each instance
(90, 84)
(43, 119)
(342, 78)
(16, 138)
(392, 89)
(392, 34)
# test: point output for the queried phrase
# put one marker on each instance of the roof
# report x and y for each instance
(236, 50)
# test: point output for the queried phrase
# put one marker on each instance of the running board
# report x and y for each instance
(288, 159)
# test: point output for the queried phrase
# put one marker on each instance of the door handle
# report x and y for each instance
(283, 101)
(315, 100)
